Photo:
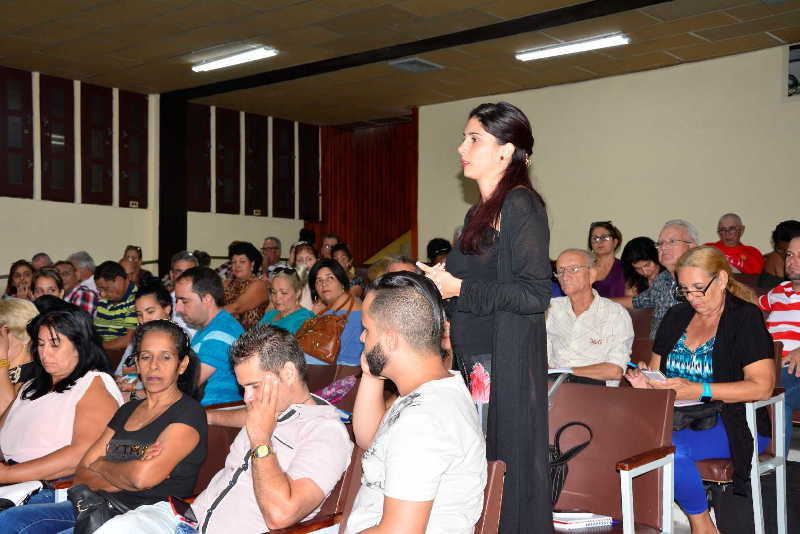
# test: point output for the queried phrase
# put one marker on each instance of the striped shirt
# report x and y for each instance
(114, 319)
(783, 322)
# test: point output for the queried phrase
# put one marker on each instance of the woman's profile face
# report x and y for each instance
(158, 362)
(646, 268)
(283, 295)
(148, 309)
(47, 286)
(328, 286)
(241, 266)
(57, 353)
(305, 257)
(480, 153)
(22, 275)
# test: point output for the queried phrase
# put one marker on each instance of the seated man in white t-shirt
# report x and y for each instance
(293, 444)
(587, 333)
(425, 461)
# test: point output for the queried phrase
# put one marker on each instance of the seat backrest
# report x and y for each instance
(334, 504)
(489, 522)
(350, 491)
(641, 318)
(750, 280)
(220, 439)
(625, 422)
(319, 376)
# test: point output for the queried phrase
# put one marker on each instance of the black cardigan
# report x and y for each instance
(517, 432)
(742, 338)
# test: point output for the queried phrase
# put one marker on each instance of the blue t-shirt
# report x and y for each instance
(291, 322)
(212, 345)
(351, 347)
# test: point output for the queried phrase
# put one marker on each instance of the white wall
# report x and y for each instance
(691, 141)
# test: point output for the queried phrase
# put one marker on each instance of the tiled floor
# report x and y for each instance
(681, 523)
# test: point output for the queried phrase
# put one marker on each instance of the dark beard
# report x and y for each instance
(376, 359)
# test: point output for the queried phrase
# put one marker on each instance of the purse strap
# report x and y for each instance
(571, 453)
(224, 492)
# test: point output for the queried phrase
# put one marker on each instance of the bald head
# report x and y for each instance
(576, 273)
(730, 230)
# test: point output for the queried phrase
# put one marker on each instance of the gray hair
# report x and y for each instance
(403, 259)
(686, 225)
(184, 255)
(41, 255)
(733, 216)
(273, 238)
(81, 260)
(273, 345)
(591, 259)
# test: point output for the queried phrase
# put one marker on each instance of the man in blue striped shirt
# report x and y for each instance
(199, 298)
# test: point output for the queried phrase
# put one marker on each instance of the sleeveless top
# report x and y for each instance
(36, 428)
(233, 290)
(613, 285)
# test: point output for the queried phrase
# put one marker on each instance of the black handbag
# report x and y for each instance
(93, 509)
(558, 460)
(697, 417)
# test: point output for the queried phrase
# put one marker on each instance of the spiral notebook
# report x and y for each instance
(579, 520)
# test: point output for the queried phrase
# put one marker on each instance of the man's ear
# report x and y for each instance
(741, 232)
(390, 340)
(288, 373)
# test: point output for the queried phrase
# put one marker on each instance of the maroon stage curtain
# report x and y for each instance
(368, 186)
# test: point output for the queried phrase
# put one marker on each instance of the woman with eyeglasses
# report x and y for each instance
(133, 256)
(604, 240)
(285, 293)
(713, 345)
(246, 295)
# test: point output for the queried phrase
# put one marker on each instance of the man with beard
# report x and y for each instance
(425, 460)
(783, 322)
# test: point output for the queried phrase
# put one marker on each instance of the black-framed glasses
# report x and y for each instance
(681, 293)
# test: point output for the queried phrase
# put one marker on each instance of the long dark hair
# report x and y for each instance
(77, 326)
(337, 270)
(11, 289)
(508, 125)
(188, 381)
(636, 250)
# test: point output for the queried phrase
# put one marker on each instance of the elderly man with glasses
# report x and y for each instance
(742, 258)
(589, 334)
(676, 237)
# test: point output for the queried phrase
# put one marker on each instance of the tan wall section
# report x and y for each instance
(692, 141)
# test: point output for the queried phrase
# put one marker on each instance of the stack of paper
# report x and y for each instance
(579, 520)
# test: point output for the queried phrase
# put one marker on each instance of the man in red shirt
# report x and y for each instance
(745, 259)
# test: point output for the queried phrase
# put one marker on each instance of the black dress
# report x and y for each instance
(516, 302)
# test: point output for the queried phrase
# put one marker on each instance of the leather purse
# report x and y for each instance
(697, 417)
(93, 509)
(558, 460)
(321, 336)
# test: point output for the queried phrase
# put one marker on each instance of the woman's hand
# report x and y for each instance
(448, 285)
(637, 379)
(24, 291)
(684, 389)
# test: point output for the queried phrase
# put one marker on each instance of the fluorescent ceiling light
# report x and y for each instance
(574, 48)
(242, 57)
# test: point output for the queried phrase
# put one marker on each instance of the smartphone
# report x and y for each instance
(183, 511)
(656, 375)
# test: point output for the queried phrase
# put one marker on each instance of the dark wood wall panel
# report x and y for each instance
(228, 160)
(198, 157)
(282, 168)
(132, 150)
(96, 144)
(256, 161)
(308, 146)
(16, 133)
(369, 180)
(58, 138)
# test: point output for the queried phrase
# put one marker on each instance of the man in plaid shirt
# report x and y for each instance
(84, 295)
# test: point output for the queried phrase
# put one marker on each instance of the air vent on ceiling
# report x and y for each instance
(415, 65)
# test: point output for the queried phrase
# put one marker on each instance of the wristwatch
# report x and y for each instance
(262, 451)
(706, 396)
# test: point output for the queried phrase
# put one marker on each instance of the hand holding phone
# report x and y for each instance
(655, 375)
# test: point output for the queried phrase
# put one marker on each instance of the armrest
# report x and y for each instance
(777, 395)
(224, 405)
(311, 525)
(629, 464)
(62, 483)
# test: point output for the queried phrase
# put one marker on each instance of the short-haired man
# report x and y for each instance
(115, 319)
(425, 460)
(328, 242)
(180, 262)
(743, 258)
(199, 299)
(587, 333)
(676, 237)
(270, 252)
(85, 294)
(40, 260)
(288, 457)
(783, 322)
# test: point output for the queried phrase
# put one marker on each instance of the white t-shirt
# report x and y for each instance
(429, 447)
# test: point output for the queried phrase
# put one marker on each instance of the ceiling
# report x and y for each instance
(149, 46)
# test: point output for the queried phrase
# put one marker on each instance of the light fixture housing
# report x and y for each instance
(617, 39)
(254, 54)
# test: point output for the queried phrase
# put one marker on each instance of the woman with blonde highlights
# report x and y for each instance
(712, 346)
(15, 345)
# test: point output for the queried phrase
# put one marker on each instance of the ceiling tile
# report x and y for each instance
(789, 35)
(365, 22)
(28, 13)
(759, 10)
(120, 12)
(679, 9)
(427, 8)
(513, 9)
(201, 14)
(620, 22)
(634, 64)
(55, 32)
(509, 46)
(689, 24)
(774, 22)
(450, 23)
(638, 47)
(724, 48)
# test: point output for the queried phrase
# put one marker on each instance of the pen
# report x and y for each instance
(632, 365)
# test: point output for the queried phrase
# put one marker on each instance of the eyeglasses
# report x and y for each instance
(265, 249)
(727, 229)
(571, 269)
(671, 243)
(277, 270)
(681, 293)
(604, 237)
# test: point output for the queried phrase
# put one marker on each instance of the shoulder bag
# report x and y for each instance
(321, 336)
(93, 509)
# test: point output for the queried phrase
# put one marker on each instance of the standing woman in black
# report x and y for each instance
(498, 280)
